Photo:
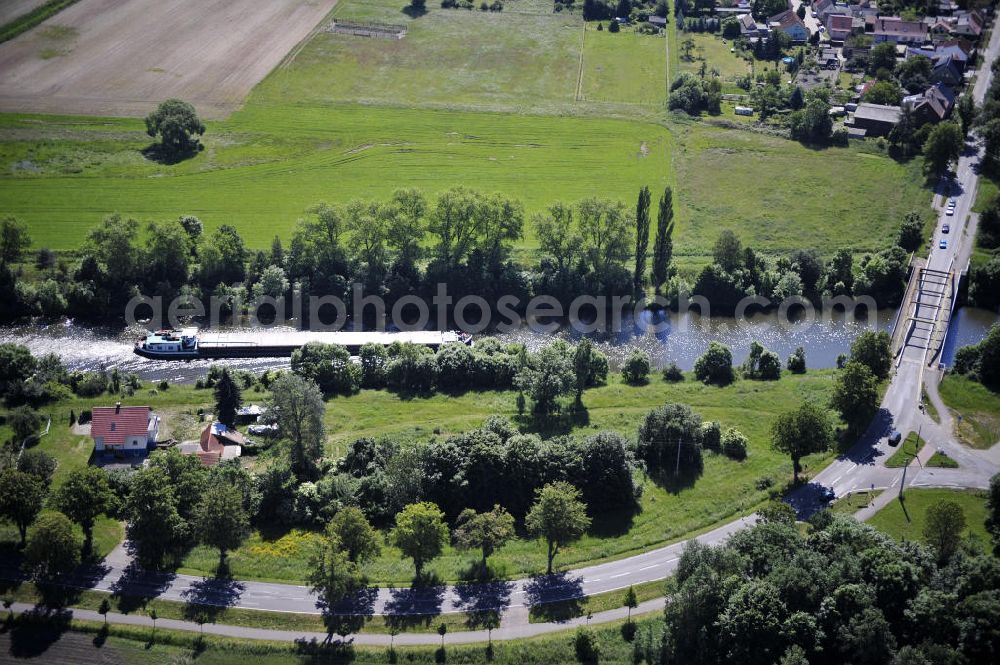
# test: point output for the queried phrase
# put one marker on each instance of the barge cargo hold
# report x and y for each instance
(189, 344)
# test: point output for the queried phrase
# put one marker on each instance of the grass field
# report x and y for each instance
(779, 195)
(978, 408)
(266, 165)
(852, 503)
(624, 67)
(906, 452)
(905, 521)
(725, 489)
(713, 50)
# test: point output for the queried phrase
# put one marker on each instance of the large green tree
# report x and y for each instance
(153, 522)
(943, 528)
(53, 547)
(357, 537)
(663, 247)
(333, 577)
(801, 431)
(178, 126)
(558, 516)
(84, 496)
(21, 498)
(670, 438)
(228, 399)
(855, 396)
(641, 238)
(485, 531)
(220, 520)
(14, 239)
(872, 349)
(547, 375)
(943, 146)
(297, 404)
(420, 533)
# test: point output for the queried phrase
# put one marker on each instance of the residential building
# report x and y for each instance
(946, 71)
(217, 443)
(124, 429)
(750, 29)
(839, 26)
(789, 23)
(828, 58)
(895, 29)
(933, 105)
(876, 119)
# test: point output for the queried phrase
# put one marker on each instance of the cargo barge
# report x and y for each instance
(189, 344)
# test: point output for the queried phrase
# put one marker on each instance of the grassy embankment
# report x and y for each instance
(725, 489)
(420, 109)
(84, 642)
(905, 520)
(978, 408)
(30, 19)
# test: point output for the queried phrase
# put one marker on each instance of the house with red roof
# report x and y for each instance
(839, 27)
(217, 443)
(124, 429)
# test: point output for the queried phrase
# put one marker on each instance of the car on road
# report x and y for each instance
(827, 494)
(895, 437)
(946, 228)
(943, 244)
(949, 212)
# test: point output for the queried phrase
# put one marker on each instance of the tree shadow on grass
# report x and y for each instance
(555, 598)
(548, 425)
(613, 523)
(325, 652)
(155, 152)
(33, 632)
(415, 606)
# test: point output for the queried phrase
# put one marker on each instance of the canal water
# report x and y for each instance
(969, 326)
(665, 337)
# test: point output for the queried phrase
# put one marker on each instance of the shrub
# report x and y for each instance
(711, 433)
(614, 27)
(734, 444)
(91, 384)
(585, 644)
(672, 373)
(163, 386)
(797, 361)
(635, 371)
(715, 365)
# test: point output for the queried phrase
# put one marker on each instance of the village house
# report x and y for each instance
(828, 59)
(839, 26)
(124, 429)
(946, 71)
(789, 23)
(932, 105)
(217, 443)
(876, 119)
(750, 29)
(968, 24)
(895, 29)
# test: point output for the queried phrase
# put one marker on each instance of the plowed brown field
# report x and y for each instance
(122, 57)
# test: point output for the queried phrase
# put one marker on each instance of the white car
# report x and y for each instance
(950, 211)
(943, 244)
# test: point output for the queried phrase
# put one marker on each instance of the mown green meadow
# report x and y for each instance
(975, 408)
(905, 520)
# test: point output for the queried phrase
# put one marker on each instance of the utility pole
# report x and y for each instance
(677, 467)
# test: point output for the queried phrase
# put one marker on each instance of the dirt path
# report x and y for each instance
(121, 57)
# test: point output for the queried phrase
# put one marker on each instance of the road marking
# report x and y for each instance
(617, 576)
(655, 565)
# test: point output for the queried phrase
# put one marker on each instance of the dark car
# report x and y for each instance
(827, 494)
(894, 438)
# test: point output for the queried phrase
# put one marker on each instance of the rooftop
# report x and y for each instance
(116, 423)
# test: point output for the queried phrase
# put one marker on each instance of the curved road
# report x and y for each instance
(859, 470)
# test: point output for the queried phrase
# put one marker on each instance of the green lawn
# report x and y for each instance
(976, 410)
(941, 460)
(905, 521)
(779, 195)
(624, 67)
(906, 452)
(726, 488)
(852, 503)
(714, 51)
(262, 168)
